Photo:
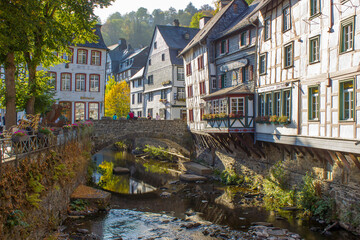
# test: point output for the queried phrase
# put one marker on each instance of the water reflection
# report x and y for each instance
(145, 175)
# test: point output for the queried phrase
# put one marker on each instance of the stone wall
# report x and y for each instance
(26, 213)
(343, 187)
(110, 131)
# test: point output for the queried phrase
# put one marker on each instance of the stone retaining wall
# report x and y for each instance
(344, 186)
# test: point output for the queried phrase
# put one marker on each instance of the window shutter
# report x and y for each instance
(220, 50)
(251, 72)
(248, 37)
(227, 45)
(241, 74)
(198, 62)
(219, 84)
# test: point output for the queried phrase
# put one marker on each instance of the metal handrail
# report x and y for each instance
(12, 149)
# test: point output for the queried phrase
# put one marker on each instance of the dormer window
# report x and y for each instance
(187, 36)
(155, 45)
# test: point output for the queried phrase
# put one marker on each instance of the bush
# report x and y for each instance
(229, 177)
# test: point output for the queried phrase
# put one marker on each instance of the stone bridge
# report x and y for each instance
(107, 132)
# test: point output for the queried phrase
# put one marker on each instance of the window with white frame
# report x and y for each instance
(263, 63)
(52, 79)
(181, 93)
(139, 97)
(180, 74)
(223, 105)
(288, 55)
(314, 103)
(269, 104)
(262, 105)
(237, 105)
(314, 7)
(79, 111)
(277, 103)
(286, 19)
(314, 49)
(94, 111)
(82, 56)
(347, 100)
(94, 83)
(96, 58)
(286, 103)
(80, 82)
(347, 35)
(150, 96)
(244, 38)
(65, 82)
(267, 28)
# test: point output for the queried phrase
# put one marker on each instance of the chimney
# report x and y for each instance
(122, 44)
(223, 3)
(203, 21)
(176, 23)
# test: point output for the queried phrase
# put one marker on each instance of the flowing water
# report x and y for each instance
(139, 212)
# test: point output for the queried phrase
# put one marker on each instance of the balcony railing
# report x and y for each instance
(230, 124)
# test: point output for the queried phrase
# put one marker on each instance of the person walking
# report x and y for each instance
(157, 116)
(114, 117)
(149, 116)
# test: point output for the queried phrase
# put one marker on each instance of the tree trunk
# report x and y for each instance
(30, 105)
(10, 94)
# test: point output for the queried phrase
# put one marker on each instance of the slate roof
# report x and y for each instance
(99, 43)
(243, 20)
(139, 74)
(174, 36)
(135, 64)
(206, 29)
(239, 89)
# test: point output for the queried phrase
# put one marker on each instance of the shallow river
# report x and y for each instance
(138, 211)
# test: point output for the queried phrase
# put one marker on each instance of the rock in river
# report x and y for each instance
(120, 170)
(192, 178)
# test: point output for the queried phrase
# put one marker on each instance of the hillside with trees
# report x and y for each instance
(137, 27)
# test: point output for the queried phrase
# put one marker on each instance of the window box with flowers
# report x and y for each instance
(166, 82)
(163, 100)
(19, 136)
(262, 119)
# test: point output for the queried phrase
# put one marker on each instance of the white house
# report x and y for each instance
(80, 83)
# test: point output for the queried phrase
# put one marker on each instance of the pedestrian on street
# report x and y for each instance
(114, 117)
(157, 116)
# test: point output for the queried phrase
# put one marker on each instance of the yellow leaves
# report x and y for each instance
(117, 100)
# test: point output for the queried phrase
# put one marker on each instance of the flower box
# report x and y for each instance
(17, 139)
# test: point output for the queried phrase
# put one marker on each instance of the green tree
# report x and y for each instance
(196, 19)
(117, 100)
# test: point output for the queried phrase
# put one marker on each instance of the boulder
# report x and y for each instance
(192, 178)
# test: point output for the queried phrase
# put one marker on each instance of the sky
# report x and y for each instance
(125, 6)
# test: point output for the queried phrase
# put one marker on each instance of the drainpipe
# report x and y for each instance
(331, 22)
(255, 73)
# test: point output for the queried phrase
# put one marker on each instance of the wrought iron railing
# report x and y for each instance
(13, 149)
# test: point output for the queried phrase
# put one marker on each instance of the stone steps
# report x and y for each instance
(92, 195)
(197, 168)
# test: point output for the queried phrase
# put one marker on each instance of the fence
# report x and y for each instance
(14, 149)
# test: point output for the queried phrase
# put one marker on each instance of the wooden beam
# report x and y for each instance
(245, 143)
(318, 156)
(215, 137)
(298, 149)
(238, 143)
(310, 151)
(354, 159)
(284, 147)
(335, 159)
(326, 155)
(343, 160)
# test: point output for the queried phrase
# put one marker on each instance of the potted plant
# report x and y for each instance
(44, 131)
(222, 115)
(19, 136)
(67, 128)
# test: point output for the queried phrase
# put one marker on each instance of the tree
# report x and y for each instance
(191, 9)
(196, 19)
(32, 31)
(117, 100)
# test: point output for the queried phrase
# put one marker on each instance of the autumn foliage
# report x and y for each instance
(117, 99)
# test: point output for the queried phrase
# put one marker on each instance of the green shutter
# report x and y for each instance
(341, 102)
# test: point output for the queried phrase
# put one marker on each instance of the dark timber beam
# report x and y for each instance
(343, 160)
(335, 159)
(354, 159)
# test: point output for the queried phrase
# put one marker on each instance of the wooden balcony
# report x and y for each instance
(243, 124)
